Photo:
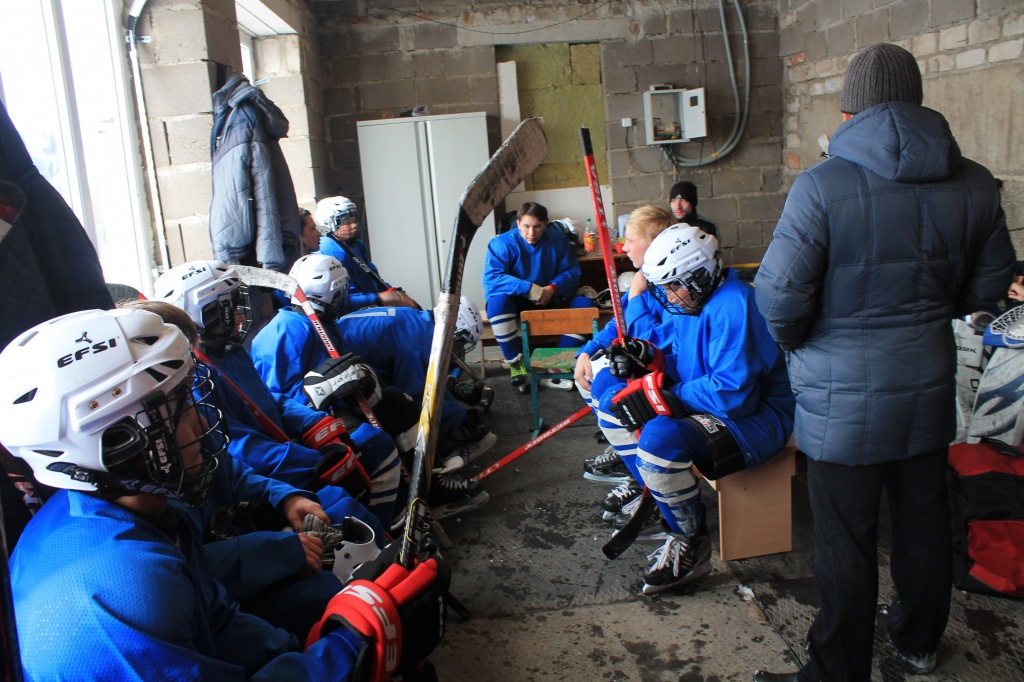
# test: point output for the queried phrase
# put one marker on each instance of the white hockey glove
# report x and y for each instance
(337, 378)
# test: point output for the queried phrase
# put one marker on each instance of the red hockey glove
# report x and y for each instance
(327, 430)
(644, 399)
(631, 358)
(340, 467)
(400, 617)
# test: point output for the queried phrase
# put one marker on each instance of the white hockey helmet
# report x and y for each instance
(687, 257)
(332, 212)
(92, 401)
(469, 327)
(324, 281)
(212, 294)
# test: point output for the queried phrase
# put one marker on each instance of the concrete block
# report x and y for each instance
(344, 155)
(765, 71)
(388, 95)
(791, 40)
(827, 14)
(657, 74)
(872, 28)
(620, 53)
(178, 36)
(767, 125)
(768, 97)
(941, 62)
(951, 11)
(340, 128)
(653, 22)
(953, 38)
(807, 18)
(645, 188)
(267, 56)
(839, 39)
(185, 192)
(815, 47)
(187, 140)
(746, 254)
(680, 20)
(766, 207)
(620, 80)
(295, 54)
(906, 18)
(285, 92)
(753, 154)
(428, 64)
(793, 141)
(468, 61)
(334, 41)
(728, 235)
(852, 9)
(1011, 49)
(374, 39)
(617, 137)
(984, 30)
(398, 66)
(925, 44)
(443, 90)
(671, 50)
(971, 58)
(762, 16)
(719, 210)
(430, 36)
(177, 90)
(304, 182)
(618, 107)
(772, 181)
(1013, 25)
(620, 163)
(296, 152)
(298, 121)
(340, 100)
(764, 45)
(484, 89)
(736, 182)
(993, 6)
(222, 43)
(751, 234)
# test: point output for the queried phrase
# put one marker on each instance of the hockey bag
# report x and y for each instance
(986, 491)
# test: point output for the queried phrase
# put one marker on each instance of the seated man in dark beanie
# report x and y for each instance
(682, 200)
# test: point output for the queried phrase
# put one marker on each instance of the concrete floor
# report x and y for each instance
(547, 605)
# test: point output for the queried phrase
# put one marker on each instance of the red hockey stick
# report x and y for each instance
(531, 444)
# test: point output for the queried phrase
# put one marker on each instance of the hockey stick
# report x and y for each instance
(602, 230)
(271, 279)
(623, 538)
(523, 151)
(531, 444)
(381, 284)
(628, 534)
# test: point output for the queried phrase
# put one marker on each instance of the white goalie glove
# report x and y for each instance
(338, 378)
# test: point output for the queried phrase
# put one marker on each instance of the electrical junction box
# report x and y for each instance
(673, 116)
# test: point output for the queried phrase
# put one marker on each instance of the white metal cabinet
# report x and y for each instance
(414, 173)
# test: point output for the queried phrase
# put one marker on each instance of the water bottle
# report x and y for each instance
(590, 237)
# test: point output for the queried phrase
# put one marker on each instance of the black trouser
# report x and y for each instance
(845, 503)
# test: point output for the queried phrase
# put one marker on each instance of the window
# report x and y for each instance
(64, 85)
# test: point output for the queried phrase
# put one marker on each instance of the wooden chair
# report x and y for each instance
(552, 363)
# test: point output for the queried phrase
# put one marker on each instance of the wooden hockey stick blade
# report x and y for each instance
(531, 444)
(520, 154)
(624, 538)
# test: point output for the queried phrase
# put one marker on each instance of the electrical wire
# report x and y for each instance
(477, 30)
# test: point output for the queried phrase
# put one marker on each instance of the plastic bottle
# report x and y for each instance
(590, 237)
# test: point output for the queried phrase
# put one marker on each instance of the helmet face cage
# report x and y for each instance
(683, 257)
(158, 443)
(213, 295)
(699, 284)
(229, 316)
(468, 328)
(333, 212)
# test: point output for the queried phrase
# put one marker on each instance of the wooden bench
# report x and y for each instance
(487, 337)
(755, 508)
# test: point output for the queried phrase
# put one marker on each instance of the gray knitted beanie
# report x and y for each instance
(880, 73)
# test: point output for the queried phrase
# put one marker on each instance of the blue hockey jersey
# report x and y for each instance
(512, 265)
(362, 288)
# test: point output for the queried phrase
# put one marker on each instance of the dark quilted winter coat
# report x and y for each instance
(254, 217)
(877, 249)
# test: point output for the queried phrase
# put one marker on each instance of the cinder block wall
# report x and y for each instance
(379, 62)
(971, 54)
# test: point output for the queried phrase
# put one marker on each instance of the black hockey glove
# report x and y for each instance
(400, 616)
(631, 358)
(337, 378)
(644, 399)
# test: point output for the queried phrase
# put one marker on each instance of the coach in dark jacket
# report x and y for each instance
(877, 249)
(253, 217)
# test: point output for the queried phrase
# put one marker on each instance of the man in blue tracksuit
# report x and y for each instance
(278, 437)
(720, 401)
(532, 266)
(337, 218)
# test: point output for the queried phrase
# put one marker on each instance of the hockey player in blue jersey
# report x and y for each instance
(278, 437)
(531, 266)
(109, 579)
(337, 219)
(288, 349)
(645, 319)
(720, 401)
